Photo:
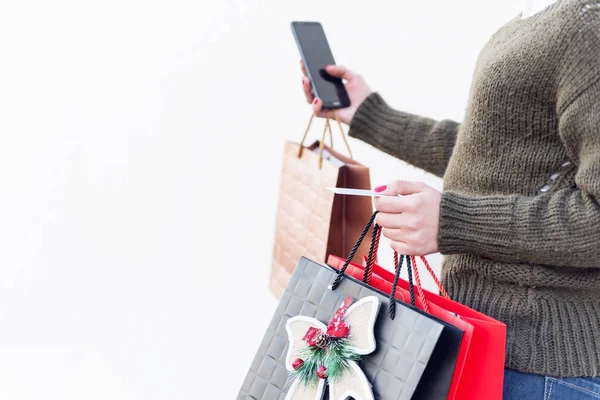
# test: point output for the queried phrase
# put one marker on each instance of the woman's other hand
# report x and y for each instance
(410, 216)
(355, 86)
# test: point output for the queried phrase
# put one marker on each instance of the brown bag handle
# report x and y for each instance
(325, 129)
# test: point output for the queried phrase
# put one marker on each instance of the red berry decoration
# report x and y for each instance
(297, 363)
(321, 372)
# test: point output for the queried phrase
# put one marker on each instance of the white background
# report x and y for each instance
(140, 157)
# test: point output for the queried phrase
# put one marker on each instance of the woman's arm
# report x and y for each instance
(422, 142)
(560, 228)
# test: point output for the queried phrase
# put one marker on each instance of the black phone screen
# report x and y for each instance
(316, 54)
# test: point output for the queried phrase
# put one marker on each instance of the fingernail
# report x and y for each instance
(380, 188)
(315, 101)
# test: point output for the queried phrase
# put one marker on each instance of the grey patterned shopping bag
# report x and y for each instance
(404, 340)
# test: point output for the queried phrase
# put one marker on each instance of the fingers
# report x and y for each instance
(307, 90)
(396, 204)
(402, 248)
(397, 196)
(339, 71)
(387, 221)
(404, 187)
(409, 216)
(407, 222)
(303, 68)
(394, 234)
(306, 87)
(317, 105)
(399, 241)
(403, 243)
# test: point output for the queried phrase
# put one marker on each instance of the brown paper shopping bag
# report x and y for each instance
(311, 220)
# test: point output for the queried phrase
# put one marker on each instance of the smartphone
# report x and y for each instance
(316, 54)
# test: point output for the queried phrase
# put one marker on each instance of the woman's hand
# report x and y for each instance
(411, 220)
(355, 86)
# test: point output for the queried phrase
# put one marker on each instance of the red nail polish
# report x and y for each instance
(315, 101)
(380, 188)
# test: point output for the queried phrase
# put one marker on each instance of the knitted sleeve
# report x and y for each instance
(422, 142)
(560, 227)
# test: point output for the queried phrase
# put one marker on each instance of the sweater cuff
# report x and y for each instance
(481, 225)
(374, 115)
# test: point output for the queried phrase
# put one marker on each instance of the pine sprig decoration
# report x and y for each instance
(335, 358)
(314, 358)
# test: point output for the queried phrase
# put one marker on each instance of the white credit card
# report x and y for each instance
(356, 192)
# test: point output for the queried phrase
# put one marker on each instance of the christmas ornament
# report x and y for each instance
(297, 363)
(321, 355)
(321, 372)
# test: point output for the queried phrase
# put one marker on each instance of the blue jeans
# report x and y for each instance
(518, 386)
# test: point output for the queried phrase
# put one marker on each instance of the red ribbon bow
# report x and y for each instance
(337, 328)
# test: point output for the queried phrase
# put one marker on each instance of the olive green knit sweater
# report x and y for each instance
(520, 212)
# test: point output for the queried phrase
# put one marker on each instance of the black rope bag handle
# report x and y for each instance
(411, 286)
(340, 273)
(369, 268)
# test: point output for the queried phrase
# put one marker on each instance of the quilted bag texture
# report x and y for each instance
(405, 344)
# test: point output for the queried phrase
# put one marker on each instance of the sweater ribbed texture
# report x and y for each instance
(520, 211)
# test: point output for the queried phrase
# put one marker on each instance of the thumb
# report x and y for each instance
(339, 71)
(403, 188)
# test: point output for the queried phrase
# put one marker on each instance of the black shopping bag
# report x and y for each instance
(405, 340)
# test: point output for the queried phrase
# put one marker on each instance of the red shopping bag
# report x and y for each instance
(479, 371)
(483, 370)
(402, 293)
